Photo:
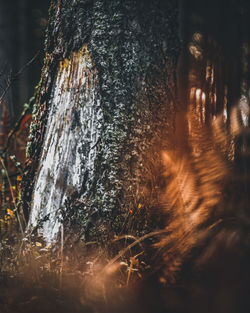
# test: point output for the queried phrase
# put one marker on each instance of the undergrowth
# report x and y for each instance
(70, 276)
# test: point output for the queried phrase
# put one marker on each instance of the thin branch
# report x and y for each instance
(25, 111)
(139, 240)
(14, 130)
(14, 77)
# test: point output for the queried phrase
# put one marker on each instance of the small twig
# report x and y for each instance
(131, 266)
(25, 111)
(14, 130)
(122, 252)
(14, 77)
(61, 268)
(126, 237)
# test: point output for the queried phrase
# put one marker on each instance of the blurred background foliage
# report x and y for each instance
(22, 32)
(22, 35)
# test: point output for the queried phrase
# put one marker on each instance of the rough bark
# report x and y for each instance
(104, 107)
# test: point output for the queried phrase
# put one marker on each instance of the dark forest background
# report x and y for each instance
(215, 55)
(22, 33)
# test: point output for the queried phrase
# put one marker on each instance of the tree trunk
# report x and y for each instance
(104, 109)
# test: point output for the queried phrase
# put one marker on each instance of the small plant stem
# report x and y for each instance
(12, 195)
(139, 240)
(62, 240)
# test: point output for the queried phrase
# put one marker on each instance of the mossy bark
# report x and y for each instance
(133, 48)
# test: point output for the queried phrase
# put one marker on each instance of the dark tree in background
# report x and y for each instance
(215, 57)
(5, 47)
(22, 36)
(5, 61)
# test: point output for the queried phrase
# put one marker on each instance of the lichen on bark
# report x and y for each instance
(134, 47)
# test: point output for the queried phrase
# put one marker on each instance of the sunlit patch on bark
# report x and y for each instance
(69, 148)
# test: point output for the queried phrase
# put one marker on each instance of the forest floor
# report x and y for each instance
(34, 279)
(29, 285)
(22, 296)
(40, 278)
